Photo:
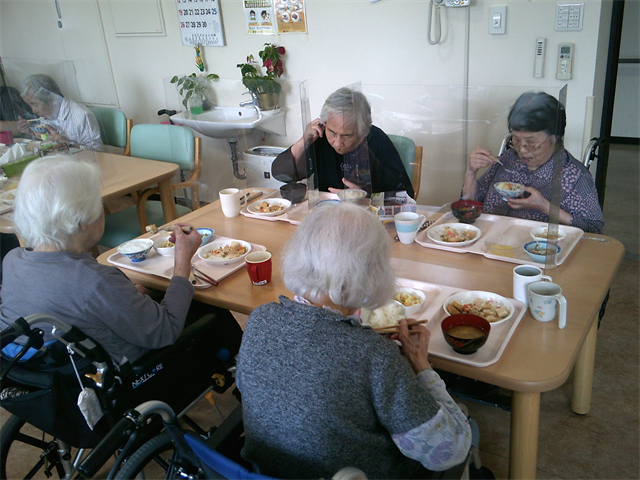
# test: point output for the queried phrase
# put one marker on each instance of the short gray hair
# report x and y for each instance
(41, 86)
(352, 105)
(55, 196)
(342, 251)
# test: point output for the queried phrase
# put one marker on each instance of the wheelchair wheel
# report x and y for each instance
(154, 460)
(26, 452)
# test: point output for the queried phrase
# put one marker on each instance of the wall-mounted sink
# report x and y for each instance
(228, 122)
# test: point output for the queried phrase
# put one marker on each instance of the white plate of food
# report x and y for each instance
(454, 234)
(224, 251)
(8, 197)
(492, 307)
(269, 207)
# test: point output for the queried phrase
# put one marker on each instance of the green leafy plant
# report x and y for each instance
(193, 85)
(252, 76)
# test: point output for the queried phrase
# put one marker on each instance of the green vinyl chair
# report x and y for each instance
(411, 156)
(115, 127)
(165, 143)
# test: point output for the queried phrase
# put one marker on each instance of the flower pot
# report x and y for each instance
(267, 101)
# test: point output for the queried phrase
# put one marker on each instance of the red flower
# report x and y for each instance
(281, 50)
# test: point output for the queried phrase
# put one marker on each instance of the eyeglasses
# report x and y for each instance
(516, 142)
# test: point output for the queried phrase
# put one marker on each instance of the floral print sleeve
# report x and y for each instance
(426, 443)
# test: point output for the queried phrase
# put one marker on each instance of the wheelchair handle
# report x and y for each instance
(19, 328)
(127, 426)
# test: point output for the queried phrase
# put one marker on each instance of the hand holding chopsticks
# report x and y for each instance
(396, 328)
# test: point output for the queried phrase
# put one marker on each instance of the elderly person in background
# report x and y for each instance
(349, 151)
(59, 215)
(536, 122)
(63, 120)
(319, 390)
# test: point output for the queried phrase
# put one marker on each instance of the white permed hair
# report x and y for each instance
(342, 251)
(55, 196)
(352, 105)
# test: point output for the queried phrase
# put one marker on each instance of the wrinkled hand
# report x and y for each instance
(480, 158)
(23, 125)
(533, 202)
(348, 184)
(186, 246)
(314, 130)
(415, 346)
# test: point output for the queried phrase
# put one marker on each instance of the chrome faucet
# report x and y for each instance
(250, 103)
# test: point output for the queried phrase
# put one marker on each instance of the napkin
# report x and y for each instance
(14, 153)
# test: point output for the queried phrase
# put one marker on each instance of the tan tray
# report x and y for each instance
(491, 225)
(432, 310)
(161, 266)
(294, 215)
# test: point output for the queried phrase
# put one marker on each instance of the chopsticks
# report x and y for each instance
(205, 278)
(396, 328)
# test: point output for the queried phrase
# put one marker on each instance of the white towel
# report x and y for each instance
(14, 153)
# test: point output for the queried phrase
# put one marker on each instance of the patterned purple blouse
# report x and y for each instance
(579, 197)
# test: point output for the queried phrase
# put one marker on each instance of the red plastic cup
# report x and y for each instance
(6, 137)
(259, 267)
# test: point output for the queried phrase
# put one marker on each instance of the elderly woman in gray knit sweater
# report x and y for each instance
(319, 390)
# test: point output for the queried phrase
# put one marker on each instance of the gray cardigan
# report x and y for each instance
(320, 393)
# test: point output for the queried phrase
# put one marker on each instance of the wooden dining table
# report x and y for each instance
(122, 175)
(539, 357)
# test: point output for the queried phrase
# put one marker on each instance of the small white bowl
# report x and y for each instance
(136, 250)
(164, 251)
(509, 189)
(411, 309)
(204, 251)
(351, 195)
(540, 234)
(401, 312)
(532, 247)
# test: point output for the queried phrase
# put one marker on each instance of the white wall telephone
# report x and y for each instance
(436, 4)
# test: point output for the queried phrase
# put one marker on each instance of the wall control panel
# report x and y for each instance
(541, 51)
(569, 16)
(497, 20)
(565, 60)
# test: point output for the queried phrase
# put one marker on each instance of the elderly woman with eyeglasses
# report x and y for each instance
(320, 391)
(537, 123)
(349, 151)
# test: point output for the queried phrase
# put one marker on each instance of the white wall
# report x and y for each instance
(416, 89)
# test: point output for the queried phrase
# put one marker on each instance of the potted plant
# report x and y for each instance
(194, 91)
(264, 87)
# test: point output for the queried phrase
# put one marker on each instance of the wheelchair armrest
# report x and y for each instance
(195, 331)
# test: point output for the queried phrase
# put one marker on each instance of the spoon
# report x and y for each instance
(506, 169)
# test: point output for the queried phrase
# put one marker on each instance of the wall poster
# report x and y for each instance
(200, 23)
(291, 16)
(259, 17)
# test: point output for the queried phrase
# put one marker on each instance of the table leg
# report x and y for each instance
(583, 373)
(168, 204)
(523, 451)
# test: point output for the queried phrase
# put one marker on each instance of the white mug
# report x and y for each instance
(523, 275)
(230, 201)
(543, 300)
(407, 224)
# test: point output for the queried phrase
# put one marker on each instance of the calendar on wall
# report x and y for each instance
(200, 23)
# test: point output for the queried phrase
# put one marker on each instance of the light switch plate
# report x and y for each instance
(569, 16)
(497, 20)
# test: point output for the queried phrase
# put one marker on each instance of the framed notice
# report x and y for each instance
(200, 23)
(259, 17)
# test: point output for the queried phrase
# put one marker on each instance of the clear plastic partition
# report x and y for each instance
(555, 199)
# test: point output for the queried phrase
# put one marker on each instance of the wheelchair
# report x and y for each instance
(41, 392)
(176, 453)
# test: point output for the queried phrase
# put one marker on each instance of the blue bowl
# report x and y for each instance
(509, 189)
(541, 247)
(136, 250)
(206, 234)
